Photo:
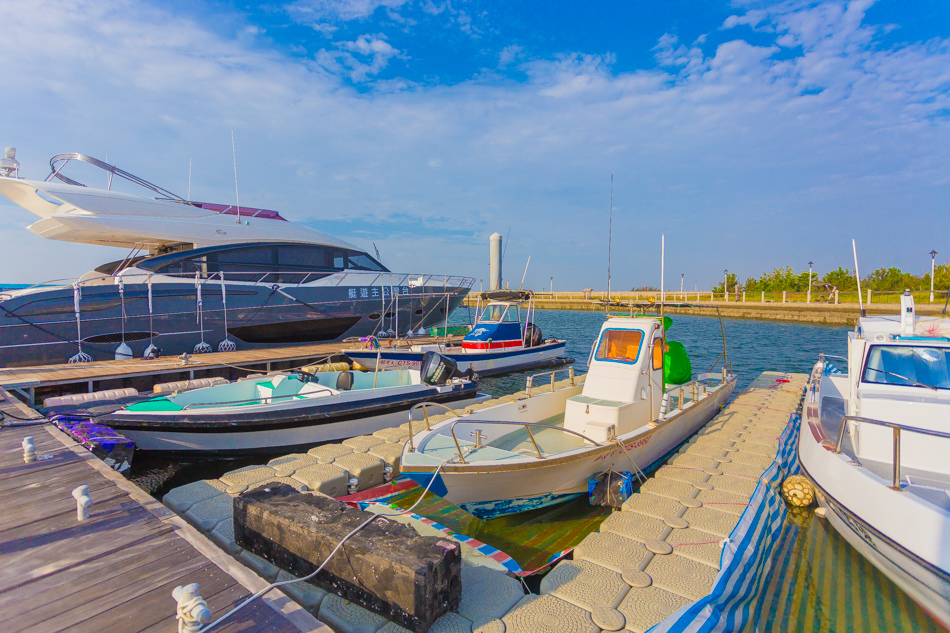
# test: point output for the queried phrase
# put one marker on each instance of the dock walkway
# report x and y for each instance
(116, 570)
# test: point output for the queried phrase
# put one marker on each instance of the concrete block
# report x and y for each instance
(303, 593)
(348, 617)
(682, 576)
(241, 479)
(668, 488)
(548, 614)
(391, 454)
(362, 443)
(487, 594)
(654, 506)
(585, 584)
(645, 607)
(697, 545)
(180, 499)
(328, 452)
(263, 568)
(223, 537)
(385, 567)
(712, 521)
(613, 552)
(395, 435)
(634, 525)
(205, 515)
(366, 468)
(287, 465)
(287, 481)
(326, 478)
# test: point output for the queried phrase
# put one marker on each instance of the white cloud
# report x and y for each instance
(746, 159)
(345, 58)
(322, 14)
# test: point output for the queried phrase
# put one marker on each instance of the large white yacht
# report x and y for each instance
(196, 277)
(875, 441)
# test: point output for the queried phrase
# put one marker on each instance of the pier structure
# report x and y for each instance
(115, 565)
(657, 555)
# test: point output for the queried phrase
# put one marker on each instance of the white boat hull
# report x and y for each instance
(482, 362)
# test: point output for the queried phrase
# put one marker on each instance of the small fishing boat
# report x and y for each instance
(500, 341)
(543, 449)
(287, 412)
(874, 442)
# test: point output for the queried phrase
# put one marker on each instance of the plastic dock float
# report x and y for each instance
(116, 567)
(692, 545)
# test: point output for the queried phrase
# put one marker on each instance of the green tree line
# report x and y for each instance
(881, 280)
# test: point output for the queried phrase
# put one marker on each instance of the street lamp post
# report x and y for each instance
(725, 284)
(552, 285)
(809, 281)
(682, 279)
(933, 255)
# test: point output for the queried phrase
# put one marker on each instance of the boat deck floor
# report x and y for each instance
(513, 445)
(115, 570)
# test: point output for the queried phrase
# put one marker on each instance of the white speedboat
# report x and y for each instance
(500, 341)
(875, 442)
(543, 449)
(287, 413)
(195, 277)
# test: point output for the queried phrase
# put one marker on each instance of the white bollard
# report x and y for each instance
(353, 485)
(388, 474)
(29, 450)
(83, 501)
(192, 610)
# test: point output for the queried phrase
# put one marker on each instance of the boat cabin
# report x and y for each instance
(624, 385)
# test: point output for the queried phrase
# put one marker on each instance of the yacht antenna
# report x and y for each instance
(662, 275)
(189, 177)
(237, 198)
(610, 228)
(521, 287)
(857, 276)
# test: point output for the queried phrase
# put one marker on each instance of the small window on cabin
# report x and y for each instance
(658, 351)
(620, 345)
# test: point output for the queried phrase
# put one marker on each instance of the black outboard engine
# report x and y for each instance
(436, 369)
(532, 335)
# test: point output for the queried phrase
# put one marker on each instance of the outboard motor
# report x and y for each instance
(436, 369)
(532, 335)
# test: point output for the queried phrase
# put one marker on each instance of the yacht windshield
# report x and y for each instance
(499, 313)
(914, 366)
(620, 345)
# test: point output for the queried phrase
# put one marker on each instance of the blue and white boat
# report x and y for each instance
(499, 342)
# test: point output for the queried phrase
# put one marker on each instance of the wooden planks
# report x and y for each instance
(116, 570)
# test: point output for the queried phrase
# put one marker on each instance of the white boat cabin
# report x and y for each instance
(624, 386)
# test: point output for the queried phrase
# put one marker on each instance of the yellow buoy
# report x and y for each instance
(798, 491)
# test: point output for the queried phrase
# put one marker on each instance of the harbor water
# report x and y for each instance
(817, 581)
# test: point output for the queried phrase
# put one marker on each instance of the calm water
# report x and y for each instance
(818, 582)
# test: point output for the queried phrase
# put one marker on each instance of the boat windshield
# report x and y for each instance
(620, 345)
(499, 313)
(914, 366)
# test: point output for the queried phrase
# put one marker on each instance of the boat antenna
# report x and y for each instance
(610, 229)
(857, 276)
(525, 274)
(189, 176)
(237, 198)
(505, 249)
(662, 275)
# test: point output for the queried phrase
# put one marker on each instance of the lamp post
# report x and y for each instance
(933, 255)
(809, 281)
(725, 284)
(682, 278)
(552, 285)
(481, 285)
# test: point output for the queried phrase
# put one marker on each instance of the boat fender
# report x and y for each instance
(798, 492)
(610, 488)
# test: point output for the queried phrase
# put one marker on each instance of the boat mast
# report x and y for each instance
(610, 228)
(237, 198)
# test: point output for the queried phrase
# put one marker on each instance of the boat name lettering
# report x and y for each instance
(396, 290)
(364, 293)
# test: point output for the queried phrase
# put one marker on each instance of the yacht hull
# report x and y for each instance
(38, 327)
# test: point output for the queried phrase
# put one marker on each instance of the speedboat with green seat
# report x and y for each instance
(287, 412)
(638, 404)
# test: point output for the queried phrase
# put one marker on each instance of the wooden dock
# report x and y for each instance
(116, 570)
(36, 383)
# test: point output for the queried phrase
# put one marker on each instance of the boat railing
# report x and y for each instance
(527, 426)
(425, 414)
(896, 441)
(530, 381)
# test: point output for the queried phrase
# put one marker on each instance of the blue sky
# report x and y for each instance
(753, 134)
